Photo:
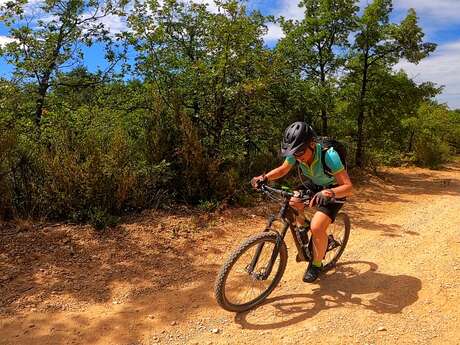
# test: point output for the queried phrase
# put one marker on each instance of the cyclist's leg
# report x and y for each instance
(297, 204)
(319, 224)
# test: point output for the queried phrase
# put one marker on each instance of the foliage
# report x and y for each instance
(45, 43)
(435, 134)
(205, 104)
(379, 45)
(314, 49)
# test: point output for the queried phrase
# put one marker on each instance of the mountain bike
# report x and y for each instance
(256, 266)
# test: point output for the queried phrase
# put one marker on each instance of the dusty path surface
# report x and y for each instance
(150, 280)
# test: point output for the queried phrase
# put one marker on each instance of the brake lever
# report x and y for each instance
(260, 185)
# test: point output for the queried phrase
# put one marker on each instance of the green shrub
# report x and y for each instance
(432, 153)
(208, 205)
(101, 219)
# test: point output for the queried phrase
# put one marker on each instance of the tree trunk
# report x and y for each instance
(359, 158)
(43, 82)
(324, 117)
(323, 106)
(359, 148)
(411, 141)
(40, 102)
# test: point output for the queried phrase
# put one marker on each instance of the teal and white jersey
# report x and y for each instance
(315, 171)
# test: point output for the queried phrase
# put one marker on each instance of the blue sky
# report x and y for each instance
(439, 19)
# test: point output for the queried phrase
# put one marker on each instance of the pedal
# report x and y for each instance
(298, 258)
(332, 243)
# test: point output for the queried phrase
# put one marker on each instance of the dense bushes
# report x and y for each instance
(99, 159)
(205, 105)
(95, 162)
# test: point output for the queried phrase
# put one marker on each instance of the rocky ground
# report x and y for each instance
(150, 280)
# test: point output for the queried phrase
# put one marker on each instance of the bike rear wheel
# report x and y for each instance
(338, 234)
(239, 287)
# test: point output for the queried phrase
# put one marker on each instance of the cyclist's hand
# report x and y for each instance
(256, 181)
(296, 202)
(321, 198)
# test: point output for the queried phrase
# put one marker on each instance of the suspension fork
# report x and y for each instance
(279, 239)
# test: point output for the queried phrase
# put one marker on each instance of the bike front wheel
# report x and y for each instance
(245, 279)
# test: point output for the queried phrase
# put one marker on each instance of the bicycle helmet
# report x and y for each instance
(296, 137)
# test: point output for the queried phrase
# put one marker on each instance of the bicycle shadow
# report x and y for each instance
(380, 293)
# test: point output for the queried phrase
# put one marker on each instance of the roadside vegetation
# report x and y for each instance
(192, 102)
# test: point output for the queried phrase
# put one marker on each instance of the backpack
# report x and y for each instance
(340, 148)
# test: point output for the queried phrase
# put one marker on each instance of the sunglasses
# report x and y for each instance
(299, 153)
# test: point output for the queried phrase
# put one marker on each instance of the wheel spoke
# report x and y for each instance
(242, 287)
(337, 236)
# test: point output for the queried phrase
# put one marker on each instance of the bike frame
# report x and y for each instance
(287, 215)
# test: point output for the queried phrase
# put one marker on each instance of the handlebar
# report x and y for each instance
(305, 198)
(265, 188)
(262, 186)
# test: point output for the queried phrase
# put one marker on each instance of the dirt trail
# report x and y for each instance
(150, 280)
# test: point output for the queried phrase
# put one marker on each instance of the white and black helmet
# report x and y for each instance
(297, 137)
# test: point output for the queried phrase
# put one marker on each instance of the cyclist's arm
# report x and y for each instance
(278, 172)
(345, 186)
(333, 161)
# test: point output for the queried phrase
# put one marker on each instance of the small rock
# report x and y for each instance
(173, 323)
(215, 330)
(381, 329)
(151, 316)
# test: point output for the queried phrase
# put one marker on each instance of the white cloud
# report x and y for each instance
(289, 9)
(115, 24)
(440, 11)
(274, 32)
(4, 40)
(442, 68)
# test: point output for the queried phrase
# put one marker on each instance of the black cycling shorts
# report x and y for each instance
(332, 209)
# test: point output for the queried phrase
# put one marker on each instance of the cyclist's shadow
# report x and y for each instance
(381, 293)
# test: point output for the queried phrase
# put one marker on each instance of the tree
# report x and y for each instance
(45, 45)
(209, 69)
(315, 46)
(435, 134)
(381, 44)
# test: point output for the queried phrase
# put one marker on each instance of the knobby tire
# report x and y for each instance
(221, 280)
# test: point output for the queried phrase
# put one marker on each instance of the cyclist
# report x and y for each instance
(300, 144)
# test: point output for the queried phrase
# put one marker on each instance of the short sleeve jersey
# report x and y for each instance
(315, 171)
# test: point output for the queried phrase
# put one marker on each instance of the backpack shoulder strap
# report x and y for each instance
(326, 169)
